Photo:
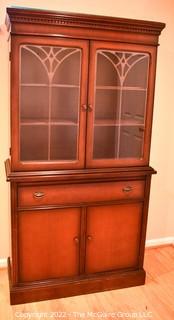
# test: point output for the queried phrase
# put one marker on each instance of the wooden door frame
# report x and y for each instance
(16, 164)
(103, 163)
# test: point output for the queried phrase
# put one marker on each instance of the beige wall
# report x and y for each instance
(161, 213)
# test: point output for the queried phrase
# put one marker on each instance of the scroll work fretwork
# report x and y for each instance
(123, 62)
(50, 57)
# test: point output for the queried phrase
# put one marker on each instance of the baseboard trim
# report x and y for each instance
(159, 242)
(3, 263)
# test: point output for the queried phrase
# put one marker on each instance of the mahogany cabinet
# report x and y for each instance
(82, 90)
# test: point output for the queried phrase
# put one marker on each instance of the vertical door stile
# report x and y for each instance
(82, 250)
(90, 113)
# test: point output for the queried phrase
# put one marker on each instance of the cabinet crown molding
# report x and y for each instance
(37, 16)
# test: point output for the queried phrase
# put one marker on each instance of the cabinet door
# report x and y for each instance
(48, 242)
(113, 237)
(48, 117)
(120, 99)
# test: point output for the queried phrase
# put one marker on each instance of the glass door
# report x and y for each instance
(118, 100)
(51, 126)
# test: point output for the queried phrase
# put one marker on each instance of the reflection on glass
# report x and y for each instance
(131, 139)
(120, 104)
(49, 102)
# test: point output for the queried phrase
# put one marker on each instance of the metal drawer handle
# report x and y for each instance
(127, 189)
(38, 194)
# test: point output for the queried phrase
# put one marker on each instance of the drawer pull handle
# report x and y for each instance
(89, 238)
(127, 189)
(39, 195)
(76, 240)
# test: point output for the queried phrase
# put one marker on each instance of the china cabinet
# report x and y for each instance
(82, 90)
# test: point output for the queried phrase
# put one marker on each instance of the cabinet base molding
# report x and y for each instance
(56, 289)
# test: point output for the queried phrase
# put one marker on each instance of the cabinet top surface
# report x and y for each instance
(38, 16)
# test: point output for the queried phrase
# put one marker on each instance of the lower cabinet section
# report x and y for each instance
(77, 247)
(50, 241)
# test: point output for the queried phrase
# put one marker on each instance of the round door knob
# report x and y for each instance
(76, 240)
(90, 107)
(89, 238)
(84, 107)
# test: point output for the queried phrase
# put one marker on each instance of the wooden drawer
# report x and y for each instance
(79, 193)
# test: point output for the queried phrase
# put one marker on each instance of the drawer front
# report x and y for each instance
(79, 193)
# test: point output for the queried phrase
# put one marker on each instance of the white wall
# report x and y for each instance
(161, 217)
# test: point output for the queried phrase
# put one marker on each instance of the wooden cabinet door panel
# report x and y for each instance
(48, 244)
(113, 235)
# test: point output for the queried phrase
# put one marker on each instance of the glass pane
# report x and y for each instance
(63, 142)
(106, 75)
(69, 68)
(131, 142)
(34, 142)
(120, 104)
(137, 75)
(32, 68)
(49, 102)
(65, 104)
(103, 135)
(133, 106)
(34, 103)
(106, 104)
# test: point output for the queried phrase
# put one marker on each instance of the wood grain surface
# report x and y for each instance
(155, 299)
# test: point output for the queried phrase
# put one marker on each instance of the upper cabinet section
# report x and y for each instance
(82, 90)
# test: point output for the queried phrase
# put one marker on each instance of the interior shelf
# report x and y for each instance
(111, 122)
(26, 122)
(120, 88)
(52, 85)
